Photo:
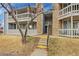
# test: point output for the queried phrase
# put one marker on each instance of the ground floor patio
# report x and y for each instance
(69, 26)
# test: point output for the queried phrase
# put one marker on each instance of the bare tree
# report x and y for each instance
(8, 7)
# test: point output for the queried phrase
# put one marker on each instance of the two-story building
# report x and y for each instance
(66, 19)
(63, 20)
(23, 17)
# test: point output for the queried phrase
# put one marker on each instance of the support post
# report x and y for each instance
(71, 21)
(71, 25)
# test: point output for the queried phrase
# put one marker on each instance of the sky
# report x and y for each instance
(20, 5)
(46, 6)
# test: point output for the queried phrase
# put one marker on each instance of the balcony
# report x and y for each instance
(72, 9)
(21, 17)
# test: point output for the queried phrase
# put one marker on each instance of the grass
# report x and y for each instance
(63, 47)
(11, 45)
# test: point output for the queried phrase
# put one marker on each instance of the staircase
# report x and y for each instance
(42, 44)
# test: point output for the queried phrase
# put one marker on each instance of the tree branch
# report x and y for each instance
(5, 8)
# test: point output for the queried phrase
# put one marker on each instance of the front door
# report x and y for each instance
(45, 30)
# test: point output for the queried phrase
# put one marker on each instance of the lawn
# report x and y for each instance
(11, 45)
(63, 47)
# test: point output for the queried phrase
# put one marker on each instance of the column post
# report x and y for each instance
(71, 21)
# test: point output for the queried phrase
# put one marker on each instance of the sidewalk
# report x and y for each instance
(41, 49)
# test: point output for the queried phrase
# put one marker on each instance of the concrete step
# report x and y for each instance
(43, 39)
(42, 46)
(42, 43)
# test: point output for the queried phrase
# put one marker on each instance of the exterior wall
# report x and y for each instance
(55, 21)
(39, 19)
(61, 24)
(75, 18)
(5, 22)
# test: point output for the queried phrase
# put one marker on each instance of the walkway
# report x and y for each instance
(41, 49)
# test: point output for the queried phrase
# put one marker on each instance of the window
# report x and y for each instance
(22, 26)
(65, 24)
(74, 7)
(69, 9)
(12, 26)
(65, 5)
(69, 3)
(77, 7)
(76, 24)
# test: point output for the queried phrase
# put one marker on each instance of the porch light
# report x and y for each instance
(30, 26)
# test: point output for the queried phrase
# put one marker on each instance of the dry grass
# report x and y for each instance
(63, 46)
(11, 45)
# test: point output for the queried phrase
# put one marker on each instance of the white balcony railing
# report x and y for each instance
(69, 32)
(16, 31)
(23, 16)
(72, 9)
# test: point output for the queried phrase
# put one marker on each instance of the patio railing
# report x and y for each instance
(69, 32)
(16, 31)
(22, 17)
